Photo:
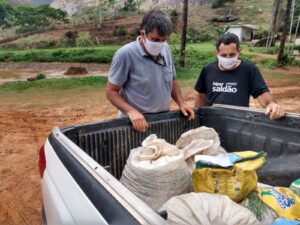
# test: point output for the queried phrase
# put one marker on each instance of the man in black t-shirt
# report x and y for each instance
(231, 81)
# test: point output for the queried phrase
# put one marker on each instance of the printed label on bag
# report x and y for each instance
(283, 201)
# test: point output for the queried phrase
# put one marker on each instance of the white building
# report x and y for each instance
(245, 32)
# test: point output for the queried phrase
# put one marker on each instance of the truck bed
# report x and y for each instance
(109, 143)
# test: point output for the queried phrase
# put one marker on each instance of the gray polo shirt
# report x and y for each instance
(145, 85)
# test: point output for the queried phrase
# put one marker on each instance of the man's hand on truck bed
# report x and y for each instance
(187, 111)
(138, 121)
(274, 111)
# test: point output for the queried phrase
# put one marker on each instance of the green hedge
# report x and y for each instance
(99, 54)
(55, 84)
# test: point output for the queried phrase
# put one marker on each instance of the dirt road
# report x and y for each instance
(27, 119)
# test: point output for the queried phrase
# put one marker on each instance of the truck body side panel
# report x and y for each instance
(64, 200)
(106, 206)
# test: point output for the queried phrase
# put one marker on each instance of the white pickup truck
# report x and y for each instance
(80, 165)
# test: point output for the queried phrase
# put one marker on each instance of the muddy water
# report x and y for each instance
(16, 71)
(7, 76)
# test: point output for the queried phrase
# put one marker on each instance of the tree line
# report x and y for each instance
(29, 18)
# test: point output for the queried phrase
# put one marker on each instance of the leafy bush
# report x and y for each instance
(2, 58)
(174, 16)
(286, 60)
(194, 57)
(174, 38)
(30, 18)
(245, 57)
(40, 76)
(135, 32)
(6, 14)
(84, 39)
(69, 39)
(261, 33)
(214, 19)
(174, 13)
(199, 36)
(129, 6)
(47, 44)
(222, 30)
(120, 31)
(220, 3)
(202, 37)
(268, 63)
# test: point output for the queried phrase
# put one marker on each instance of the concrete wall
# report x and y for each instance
(244, 34)
(237, 31)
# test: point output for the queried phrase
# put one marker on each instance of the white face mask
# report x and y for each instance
(228, 63)
(154, 48)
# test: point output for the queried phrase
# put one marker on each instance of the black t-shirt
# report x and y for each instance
(232, 87)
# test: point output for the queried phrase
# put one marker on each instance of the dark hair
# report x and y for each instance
(227, 39)
(159, 20)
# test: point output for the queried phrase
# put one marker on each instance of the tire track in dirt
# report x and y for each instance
(11, 210)
(18, 170)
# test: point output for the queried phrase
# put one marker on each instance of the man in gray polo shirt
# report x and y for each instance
(142, 74)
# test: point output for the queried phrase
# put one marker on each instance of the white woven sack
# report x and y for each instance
(199, 141)
(201, 134)
(156, 179)
(207, 209)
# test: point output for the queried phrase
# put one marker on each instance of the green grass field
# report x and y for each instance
(82, 82)
(197, 55)
(54, 84)
(97, 54)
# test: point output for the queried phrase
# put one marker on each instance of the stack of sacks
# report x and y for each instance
(158, 170)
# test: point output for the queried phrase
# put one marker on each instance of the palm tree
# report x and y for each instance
(183, 34)
(284, 33)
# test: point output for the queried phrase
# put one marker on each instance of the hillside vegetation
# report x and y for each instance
(120, 22)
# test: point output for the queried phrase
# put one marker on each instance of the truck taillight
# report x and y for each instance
(42, 161)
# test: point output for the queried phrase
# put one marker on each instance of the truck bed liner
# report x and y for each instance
(239, 128)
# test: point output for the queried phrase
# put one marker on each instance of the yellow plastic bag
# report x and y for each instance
(284, 201)
(236, 182)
